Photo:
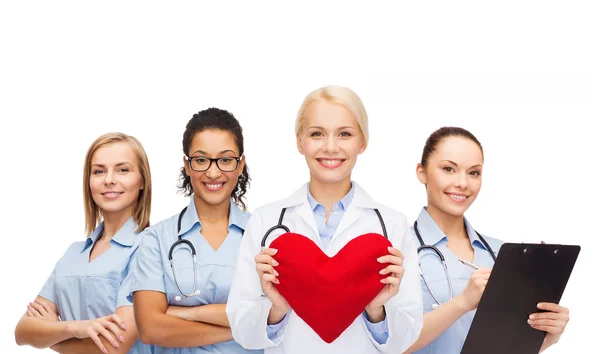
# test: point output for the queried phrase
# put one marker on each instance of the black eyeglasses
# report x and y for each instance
(202, 163)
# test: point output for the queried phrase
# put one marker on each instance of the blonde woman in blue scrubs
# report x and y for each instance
(451, 169)
(180, 306)
(83, 306)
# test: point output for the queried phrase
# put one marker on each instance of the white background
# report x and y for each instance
(522, 76)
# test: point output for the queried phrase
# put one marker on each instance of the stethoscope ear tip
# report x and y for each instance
(177, 298)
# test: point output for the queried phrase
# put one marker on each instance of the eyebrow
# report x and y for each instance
(455, 164)
(118, 164)
(205, 153)
(340, 128)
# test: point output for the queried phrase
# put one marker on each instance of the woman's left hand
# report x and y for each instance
(395, 269)
(552, 322)
(41, 309)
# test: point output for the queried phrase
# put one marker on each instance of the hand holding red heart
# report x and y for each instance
(265, 267)
(395, 269)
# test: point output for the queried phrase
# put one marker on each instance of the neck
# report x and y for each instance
(328, 194)
(114, 221)
(211, 212)
(453, 226)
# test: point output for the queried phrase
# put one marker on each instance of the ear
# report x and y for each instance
(241, 165)
(363, 145)
(299, 143)
(421, 174)
(186, 166)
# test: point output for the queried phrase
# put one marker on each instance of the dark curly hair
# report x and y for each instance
(217, 119)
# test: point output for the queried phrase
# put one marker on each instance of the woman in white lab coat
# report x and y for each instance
(331, 210)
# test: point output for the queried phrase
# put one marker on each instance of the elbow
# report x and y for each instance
(20, 337)
(147, 335)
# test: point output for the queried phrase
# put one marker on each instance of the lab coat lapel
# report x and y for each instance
(360, 201)
(350, 217)
(298, 203)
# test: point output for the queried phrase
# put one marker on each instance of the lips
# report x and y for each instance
(459, 198)
(111, 195)
(330, 163)
(213, 186)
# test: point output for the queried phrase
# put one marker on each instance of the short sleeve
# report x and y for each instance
(146, 271)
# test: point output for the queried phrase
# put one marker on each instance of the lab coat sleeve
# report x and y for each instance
(147, 267)
(404, 312)
(246, 309)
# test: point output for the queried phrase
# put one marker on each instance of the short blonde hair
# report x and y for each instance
(342, 96)
(141, 212)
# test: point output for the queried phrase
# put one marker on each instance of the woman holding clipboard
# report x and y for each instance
(451, 252)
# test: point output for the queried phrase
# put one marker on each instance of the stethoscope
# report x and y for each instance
(280, 225)
(193, 250)
(443, 260)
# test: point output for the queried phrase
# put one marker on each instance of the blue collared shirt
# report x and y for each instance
(453, 338)
(84, 290)
(326, 230)
(152, 269)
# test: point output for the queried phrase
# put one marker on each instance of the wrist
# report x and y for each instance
(276, 315)
(70, 328)
(375, 314)
(462, 303)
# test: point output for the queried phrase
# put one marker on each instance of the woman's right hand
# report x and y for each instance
(472, 294)
(265, 267)
(110, 327)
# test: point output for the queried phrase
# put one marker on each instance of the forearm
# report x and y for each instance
(40, 333)
(172, 332)
(437, 321)
(212, 314)
(85, 346)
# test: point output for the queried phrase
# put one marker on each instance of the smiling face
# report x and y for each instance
(452, 176)
(330, 141)
(115, 179)
(213, 186)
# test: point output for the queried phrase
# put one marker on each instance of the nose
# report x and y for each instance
(110, 177)
(330, 144)
(213, 170)
(461, 181)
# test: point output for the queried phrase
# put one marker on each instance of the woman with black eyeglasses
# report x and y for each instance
(184, 267)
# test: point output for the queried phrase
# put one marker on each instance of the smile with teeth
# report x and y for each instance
(330, 163)
(458, 198)
(215, 186)
(111, 195)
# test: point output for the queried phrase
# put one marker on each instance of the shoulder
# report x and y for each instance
(494, 243)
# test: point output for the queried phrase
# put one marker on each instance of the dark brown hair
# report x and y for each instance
(445, 132)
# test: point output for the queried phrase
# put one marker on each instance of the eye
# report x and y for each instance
(345, 134)
(124, 170)
(448, 169)
(97, 172)
(315, 134)
(226, 159)
(200, 159)
(475, 173)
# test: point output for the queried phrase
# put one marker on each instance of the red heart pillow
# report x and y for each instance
(329, 293)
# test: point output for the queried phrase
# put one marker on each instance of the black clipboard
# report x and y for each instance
(523, 275)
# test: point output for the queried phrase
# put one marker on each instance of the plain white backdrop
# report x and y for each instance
(522, 76)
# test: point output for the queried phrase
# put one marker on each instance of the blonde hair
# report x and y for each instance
(339, 95)
(141, 212)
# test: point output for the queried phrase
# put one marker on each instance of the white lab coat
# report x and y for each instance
(248, 311)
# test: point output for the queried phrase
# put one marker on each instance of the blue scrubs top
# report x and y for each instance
(84, 290)
(152, 269)
(453, 338)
